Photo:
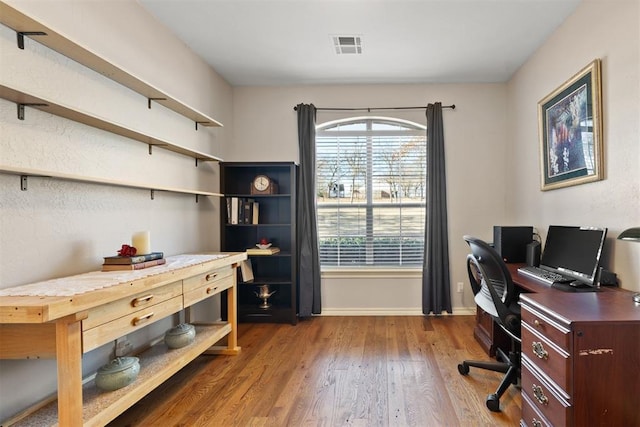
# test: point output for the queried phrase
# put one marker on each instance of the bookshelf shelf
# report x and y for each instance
(24, 173)
(22, 99)
(25, 25)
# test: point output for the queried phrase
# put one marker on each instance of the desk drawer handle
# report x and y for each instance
(211, 276)
(537, 323)
(539, 350)
(539, 395)
(209, 290)
(141, 300)
(536, 423)
(142, 319)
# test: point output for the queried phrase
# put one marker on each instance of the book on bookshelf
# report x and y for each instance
(268, 251)
(131, 267)
(136, 259)
(234, 211)
(255, 213)
(228, 202)
(247, 211)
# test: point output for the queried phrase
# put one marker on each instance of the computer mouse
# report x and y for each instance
(636, 297)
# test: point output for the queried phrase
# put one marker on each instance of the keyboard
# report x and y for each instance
(542, 275)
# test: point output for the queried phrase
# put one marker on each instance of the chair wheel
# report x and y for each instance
(493, 403)
(463, 368)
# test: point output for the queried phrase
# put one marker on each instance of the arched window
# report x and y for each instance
(370, 183)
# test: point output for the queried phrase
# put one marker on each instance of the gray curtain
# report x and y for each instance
(436, 284)
(308, 257)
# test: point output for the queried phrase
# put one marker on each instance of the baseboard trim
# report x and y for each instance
(462, 311)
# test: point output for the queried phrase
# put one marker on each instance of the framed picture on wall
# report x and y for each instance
(570, 130)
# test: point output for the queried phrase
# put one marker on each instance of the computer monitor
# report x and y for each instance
(574, 251)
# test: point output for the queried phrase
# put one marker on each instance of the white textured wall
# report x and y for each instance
(609, 30)
(59, 228)
(476, 148)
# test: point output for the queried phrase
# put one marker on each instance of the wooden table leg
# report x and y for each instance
(69, 361)
(232, 318)
(231, 347)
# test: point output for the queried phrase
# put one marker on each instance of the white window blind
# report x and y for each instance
(370, 183)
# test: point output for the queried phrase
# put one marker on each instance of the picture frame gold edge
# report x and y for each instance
(596, 79)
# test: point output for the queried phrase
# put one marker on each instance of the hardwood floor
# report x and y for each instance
(335, 371)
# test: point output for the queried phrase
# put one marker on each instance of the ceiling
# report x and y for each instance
(290, 42)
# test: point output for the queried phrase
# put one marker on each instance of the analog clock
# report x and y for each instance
(262, 184)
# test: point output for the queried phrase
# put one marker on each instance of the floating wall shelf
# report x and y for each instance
(23, 25)
(26, 172)
(23, 99)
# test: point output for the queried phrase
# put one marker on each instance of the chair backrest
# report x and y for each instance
(492, 285)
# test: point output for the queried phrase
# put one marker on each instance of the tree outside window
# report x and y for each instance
(370, 182)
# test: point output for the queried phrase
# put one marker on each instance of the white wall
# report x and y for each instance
(59, 228)
(609, 30)
(476, 149)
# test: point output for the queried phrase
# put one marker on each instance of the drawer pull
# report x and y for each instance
(141, 300)
(209, 290)
(536, 323)
(142, 319)
(536, 423)
(539, 395)
(211, 276)
(539, 350)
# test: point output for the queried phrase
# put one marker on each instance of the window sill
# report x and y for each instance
(352, 273)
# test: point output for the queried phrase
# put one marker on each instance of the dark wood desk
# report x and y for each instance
(487, 333)
(580, 356)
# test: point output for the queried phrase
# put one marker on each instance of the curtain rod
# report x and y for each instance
(369, 109)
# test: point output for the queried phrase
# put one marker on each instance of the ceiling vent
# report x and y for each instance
(347, 45)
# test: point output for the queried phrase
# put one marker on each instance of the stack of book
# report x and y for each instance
(263, 251)
(136, 262)
(242, 211)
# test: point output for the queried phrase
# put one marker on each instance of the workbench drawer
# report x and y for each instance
(95, 337)
(209, 278)
(208, 290)
(122, 307)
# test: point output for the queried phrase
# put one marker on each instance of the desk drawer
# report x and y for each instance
(207, 279)
(208, 290)
(122, 307)
(544, 398)
(544, 325)
(548, 358)
(95, 337)
(530, 415)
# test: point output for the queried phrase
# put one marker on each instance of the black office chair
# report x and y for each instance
(495, 293)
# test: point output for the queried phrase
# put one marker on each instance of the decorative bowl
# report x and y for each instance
(267, 246)
(118, 373)
(180, 336)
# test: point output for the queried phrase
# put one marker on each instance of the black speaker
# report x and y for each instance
(607, 278)
(533, 254)
(511, 242)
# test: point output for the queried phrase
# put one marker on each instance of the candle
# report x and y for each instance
(141, 242)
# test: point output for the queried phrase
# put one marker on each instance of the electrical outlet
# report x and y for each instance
(460, 287)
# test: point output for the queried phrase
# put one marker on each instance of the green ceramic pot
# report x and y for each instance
(180, 336)
(118, 373)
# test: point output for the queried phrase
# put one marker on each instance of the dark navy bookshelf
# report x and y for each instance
(276, 223)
